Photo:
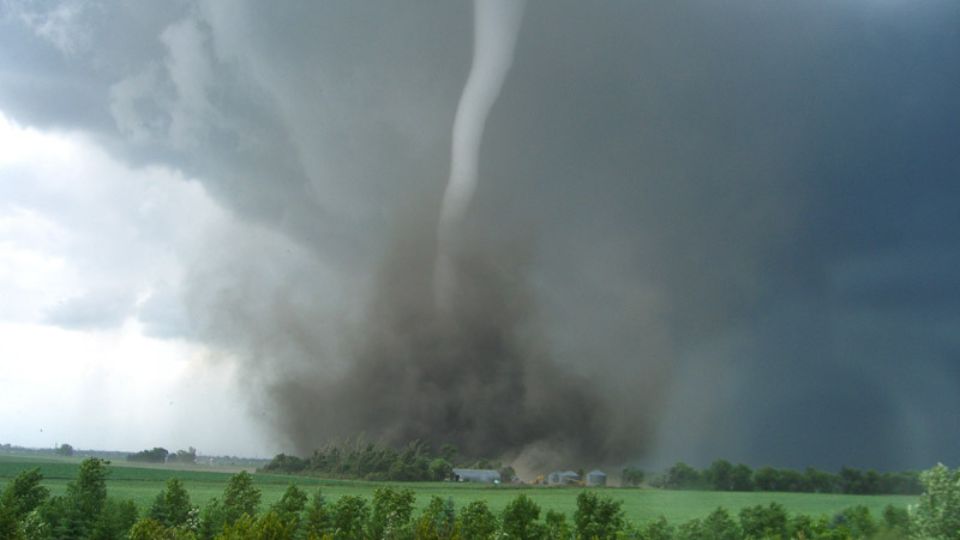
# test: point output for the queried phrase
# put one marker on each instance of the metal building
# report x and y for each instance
(596, 478)
(486, 476)
(560, 478)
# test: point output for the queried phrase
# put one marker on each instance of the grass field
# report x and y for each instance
(142, 483)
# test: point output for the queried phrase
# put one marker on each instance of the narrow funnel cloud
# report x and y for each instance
(496, 24)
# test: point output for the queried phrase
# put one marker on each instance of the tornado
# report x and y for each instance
(495, 30)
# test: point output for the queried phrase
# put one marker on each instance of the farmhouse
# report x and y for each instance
(486, 476)
(560, 478)
(596, 478)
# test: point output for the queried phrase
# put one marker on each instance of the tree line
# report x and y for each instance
(162, 455)
(368, 461)
(28, 512)
(724, 476)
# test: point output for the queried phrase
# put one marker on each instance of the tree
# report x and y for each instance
(937, 515)
(858, 521)
(64, 450)
(449, 452)
(172, 507)
(349, 515)
(391, 514)
(767, 479)
(73, 514)
(156, 455)
(631, 476)
(240, 497)
(764, 521)
(597, 517)
(114, 521)
(319, 518)
(520, 519)
(438, 520)
(720, 526)
(440, 469)
(24, 493)
(659, 529)
(741, 478)
(184, 456)
(556, 526)
(896, 519)
(476, 521)
(9, 525)
(720, 475)
(682, 476)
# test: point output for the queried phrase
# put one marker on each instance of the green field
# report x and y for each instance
(141, 484)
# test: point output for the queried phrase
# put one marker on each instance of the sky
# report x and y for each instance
(738, 221)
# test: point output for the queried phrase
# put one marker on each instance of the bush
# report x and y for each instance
(290, 505)
(24, 493)
(476, 521)
(716, 526)
(240, 497)
(658, 529)
(438, 520)
(349, 516)
(764, 521)
(520, 519)
(319, 519)
(392, 510)
(597, 517)
(172, 507)
(114, 521)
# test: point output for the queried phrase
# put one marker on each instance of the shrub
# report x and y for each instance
(172, 507)
(476, 521)
(437, 521)
(349, 516)
(520, 519)
(764, 521)
(391, 513)
(597, 517)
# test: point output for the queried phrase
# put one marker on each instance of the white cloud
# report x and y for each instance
(92, 254)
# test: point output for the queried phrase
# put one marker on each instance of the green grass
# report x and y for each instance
(142, 483)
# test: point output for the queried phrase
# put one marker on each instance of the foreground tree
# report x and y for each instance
(438, 520)
(476, 521)
(520, 519)
(597, 517)
(172, 507)
(391, 514)
(74, 514)
(24, 493)
(938, 513)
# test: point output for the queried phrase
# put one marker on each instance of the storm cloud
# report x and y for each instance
(709, 230)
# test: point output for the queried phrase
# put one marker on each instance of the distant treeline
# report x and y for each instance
(368, 461)
(162, 455)
(724, 476)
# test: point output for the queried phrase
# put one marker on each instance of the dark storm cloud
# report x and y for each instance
(738, 219)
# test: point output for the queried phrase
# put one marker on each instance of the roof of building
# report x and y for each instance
(477, 473)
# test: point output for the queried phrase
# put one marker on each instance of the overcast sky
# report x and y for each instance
(746, 210)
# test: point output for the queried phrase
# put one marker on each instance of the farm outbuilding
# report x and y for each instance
(485, 476)
(596, 478)
(559, 478)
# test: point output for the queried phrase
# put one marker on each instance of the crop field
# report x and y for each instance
(141, 483)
